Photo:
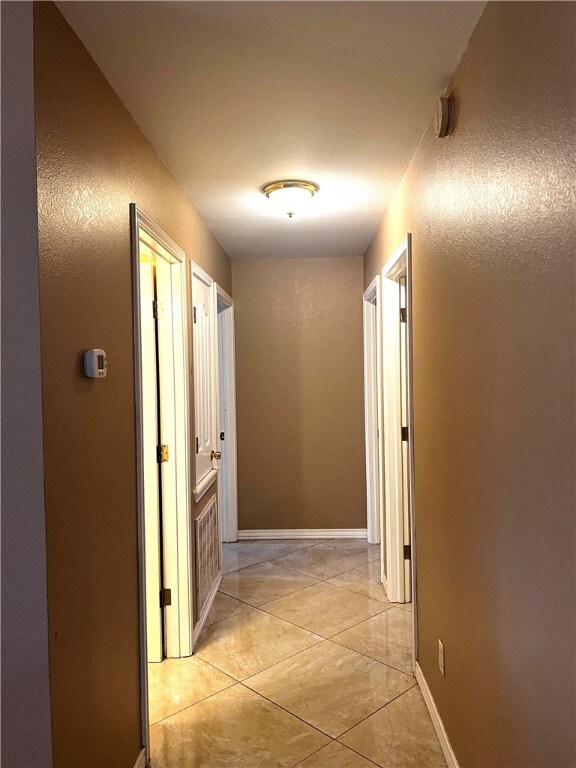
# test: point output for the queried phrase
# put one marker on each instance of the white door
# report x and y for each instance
(167, 465)
(205, 379)
(164, 443)
(227, 479)
(398, 463)
(372, 415)
(404, 407)
(150, 431)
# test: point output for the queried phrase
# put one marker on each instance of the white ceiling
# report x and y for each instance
(233, 95)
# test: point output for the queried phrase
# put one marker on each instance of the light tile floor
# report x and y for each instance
(302, 662)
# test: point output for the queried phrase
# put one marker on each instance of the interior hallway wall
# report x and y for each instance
(299, 364)
(492, 214)
(26, 739)
(92, 163)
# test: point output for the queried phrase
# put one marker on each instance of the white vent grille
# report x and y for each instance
(207, 551)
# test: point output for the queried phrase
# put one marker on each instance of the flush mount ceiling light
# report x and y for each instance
(290, 195)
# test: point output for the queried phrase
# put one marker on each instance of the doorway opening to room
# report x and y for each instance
(214, 445)
(372, 322)
(398, 453)
(163, 451)
(163, 460)
(227, 480)
(184, 351)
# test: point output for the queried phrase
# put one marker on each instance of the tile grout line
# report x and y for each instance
(311, 755)
(333, 738)
(327, 640)
(235, 681)
(330, 638)
(384, 663)
(178, 711)
(288, 621)
(323, 640)
(374, 713)
(291, 656)
(325, 580)
(205, 698)
(256, 693)
(277, 663)
(333, 576)
(342, 745)
(287, 711)
(314, 546)
(299, 589)
(259, 608)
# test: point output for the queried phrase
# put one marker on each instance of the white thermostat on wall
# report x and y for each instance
(95, 363)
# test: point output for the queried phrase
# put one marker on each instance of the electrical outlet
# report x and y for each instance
(441, 657)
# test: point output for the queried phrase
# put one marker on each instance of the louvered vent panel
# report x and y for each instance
(207, 551)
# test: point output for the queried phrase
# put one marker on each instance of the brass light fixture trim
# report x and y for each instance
(274, 186)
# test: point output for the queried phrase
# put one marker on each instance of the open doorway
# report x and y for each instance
(227, 480)
(163, 455)
(398, 423)
(181, 460)
(373, 414)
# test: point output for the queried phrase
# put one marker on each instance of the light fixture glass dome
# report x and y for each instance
(291, 196)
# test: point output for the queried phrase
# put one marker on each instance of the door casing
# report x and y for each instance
(373, 412)
(401, 582)
(227, 478)
(179, 636)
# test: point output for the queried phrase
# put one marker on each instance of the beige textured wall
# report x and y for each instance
(491, 211)
(92, 162)
(299, 393)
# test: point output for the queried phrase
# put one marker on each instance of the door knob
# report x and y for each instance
(215, 455)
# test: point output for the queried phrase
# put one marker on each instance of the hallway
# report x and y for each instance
(300, 270)
(303, 662)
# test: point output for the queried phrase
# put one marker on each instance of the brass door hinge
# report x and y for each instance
(403, 314)
(165, 597)
(161, 453)
(404, 434)
(407, 551)
(158, 310)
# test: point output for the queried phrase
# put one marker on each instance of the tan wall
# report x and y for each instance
(299, 393)
(491, 211)
(92, 162)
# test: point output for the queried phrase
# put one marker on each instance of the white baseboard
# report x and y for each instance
(141, 759)
(304, 533)
(436, 720)
(205, 611)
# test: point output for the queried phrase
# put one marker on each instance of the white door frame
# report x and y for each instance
(399, 264)
(181, 613)
(202, 485)
(228, 476)
(373, 409)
